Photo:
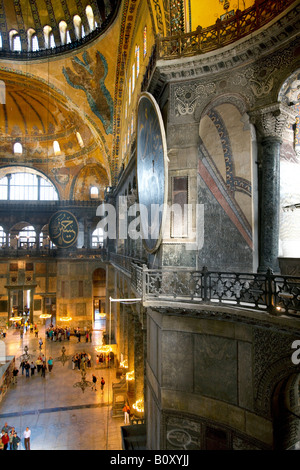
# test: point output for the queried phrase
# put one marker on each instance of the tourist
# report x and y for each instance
(15, 441)
(102, 384)
(43, 368)
(15, 375)
(50, 364)
(27, 434)
(5, 440)
(39, 363)
(126, 410)
(94, 380)
(32, 368)
(11, 435)
(6, 428)
(27, 367)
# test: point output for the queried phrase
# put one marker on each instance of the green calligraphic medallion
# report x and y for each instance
(152, 171)
(63, 229)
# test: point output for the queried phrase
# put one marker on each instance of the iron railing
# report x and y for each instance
(222, 33)
(268, 292)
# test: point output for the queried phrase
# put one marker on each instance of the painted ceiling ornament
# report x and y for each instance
(89, 76)
(187, 97)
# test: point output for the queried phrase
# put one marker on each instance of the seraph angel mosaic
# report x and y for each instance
(89, 76)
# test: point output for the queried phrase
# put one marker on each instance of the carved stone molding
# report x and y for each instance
(271, 121)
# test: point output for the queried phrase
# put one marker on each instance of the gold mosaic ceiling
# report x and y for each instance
(34, 15)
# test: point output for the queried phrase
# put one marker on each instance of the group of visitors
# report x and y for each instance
(58, 333)
(105, 360)
(86, 334)
(40, 366)
(81, 360)
(10, 439)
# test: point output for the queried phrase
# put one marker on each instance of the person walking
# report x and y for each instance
(15, 375)
(50, 364)
(126, 410)
(39, 363)
(94, 380)
(32, 368)
(40, 343)
(22, 365)
(43, 369)
(27, 367)
(102, 384)
(27, 434)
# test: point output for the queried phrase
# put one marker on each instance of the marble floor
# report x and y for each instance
(60, 415)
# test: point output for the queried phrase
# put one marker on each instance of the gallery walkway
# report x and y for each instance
(61, 416)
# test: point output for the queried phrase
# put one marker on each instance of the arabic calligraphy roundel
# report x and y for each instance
(63, 229)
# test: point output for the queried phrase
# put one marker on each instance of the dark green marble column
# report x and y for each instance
(270, 122)
(269, 204)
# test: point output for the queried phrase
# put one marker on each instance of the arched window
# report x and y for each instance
(47, 30)
(133, 77)
(77, 26)
(18, 149)
(63, 32)
(79, 139)
(97, 238)
(2, 237)
(26, 237)
(27, 186)
(94, 192)
(56, 148)
(90, 17)
(137, 57)
(145, 41)
(15, 40)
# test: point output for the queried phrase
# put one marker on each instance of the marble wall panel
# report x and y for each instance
(215, 370)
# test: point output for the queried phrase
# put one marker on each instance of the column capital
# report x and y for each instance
(272, 120)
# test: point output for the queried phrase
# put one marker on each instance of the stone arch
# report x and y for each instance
(289, 227)
(226, 168)
(285, 413)
(275, 373)
(89, 175)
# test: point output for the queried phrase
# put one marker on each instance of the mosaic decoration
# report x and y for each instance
(233, 183)
(176, 16)
(125, 32)
(89, 77)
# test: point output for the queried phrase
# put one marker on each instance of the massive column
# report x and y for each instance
(270, 122)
